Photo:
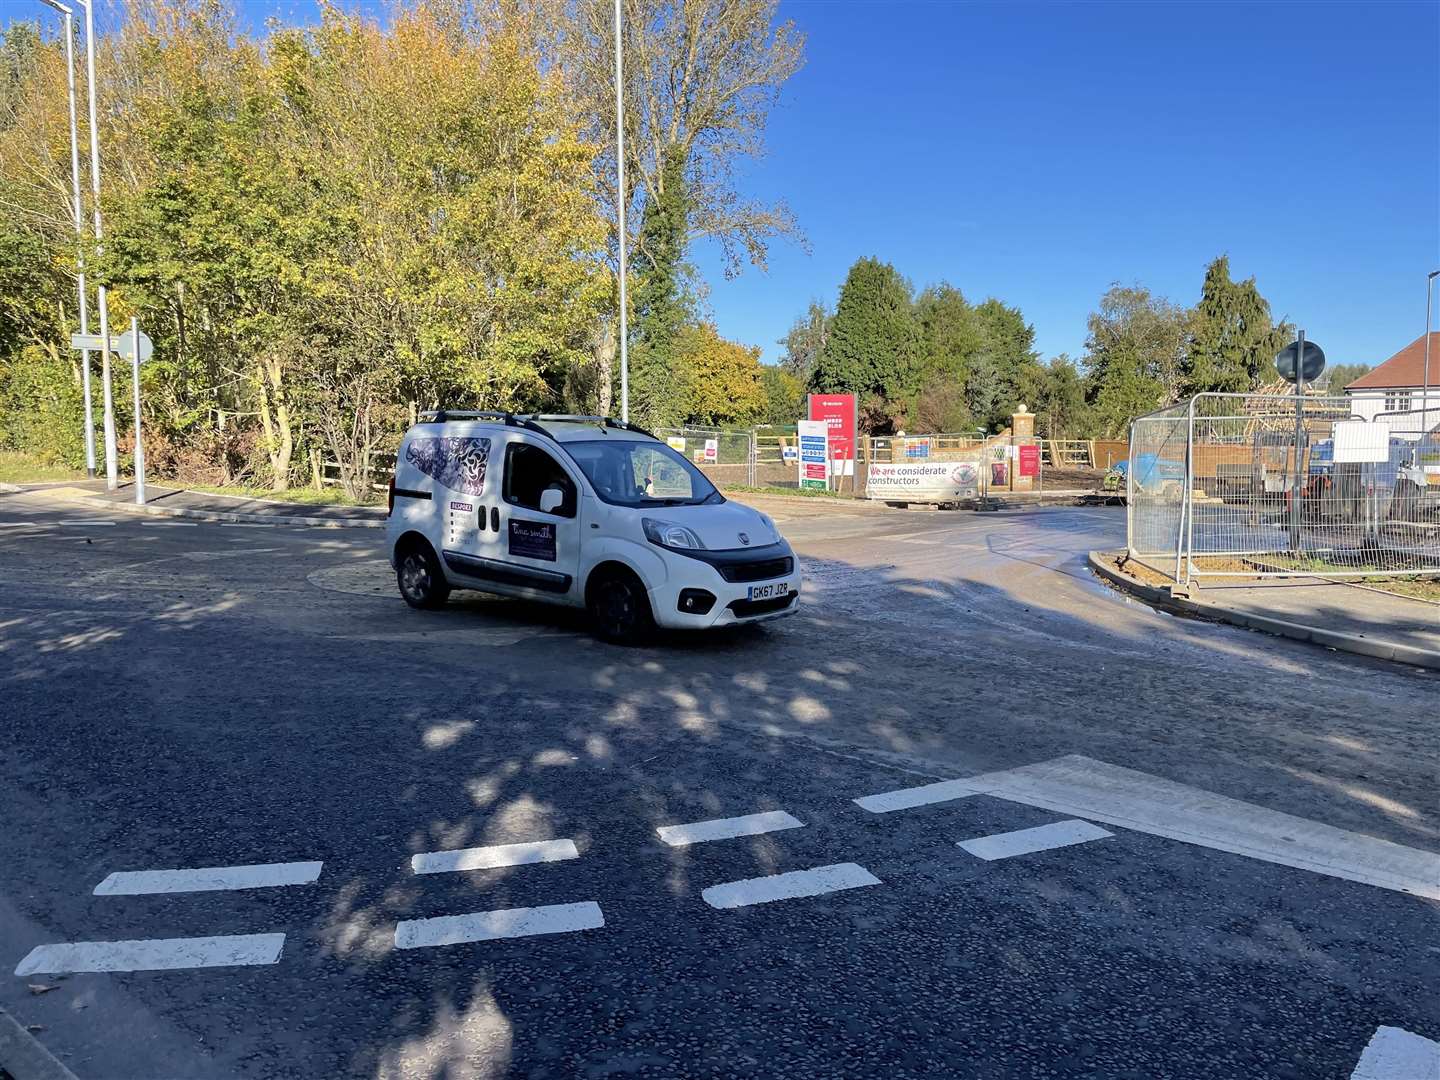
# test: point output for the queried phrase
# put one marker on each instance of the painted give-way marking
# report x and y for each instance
(1082, 787)
(699, 832)
(797, 883)
(493, 925)
(1396, 1054)
(1041, 838)
(208, 879)
(489, 858)
(158, 954)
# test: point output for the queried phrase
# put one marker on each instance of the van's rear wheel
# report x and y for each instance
(620, 608)
(422, 582)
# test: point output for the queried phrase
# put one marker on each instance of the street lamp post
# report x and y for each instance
(79, 217)
(620, 204)
(112, 479)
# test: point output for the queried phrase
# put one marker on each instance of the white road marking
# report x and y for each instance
(19, 525)
(909, 798)
(157, 954)
(1396, 1054)
(488, 858)
(173, 524)
(493, 925)
(245, 525)
(795, 884)
(1041, 838)
(85, 522)
(208, 879)
(1083, 787)
(699, 832)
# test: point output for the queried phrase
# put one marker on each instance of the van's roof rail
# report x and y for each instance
(439, 416)
(599, 421)
(528, 420)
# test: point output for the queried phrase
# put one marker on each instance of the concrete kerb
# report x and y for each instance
(206, 515)
(1331, 639)
(23, 1056)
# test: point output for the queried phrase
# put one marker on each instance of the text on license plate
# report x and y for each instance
(769, 592)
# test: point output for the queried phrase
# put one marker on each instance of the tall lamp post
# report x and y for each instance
(79, 227)
(112, 479)
(620, 204)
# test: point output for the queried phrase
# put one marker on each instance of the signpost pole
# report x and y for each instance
(620, 211)
(1297, 484)
(139, 443)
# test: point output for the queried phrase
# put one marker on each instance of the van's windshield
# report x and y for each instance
(630, 473)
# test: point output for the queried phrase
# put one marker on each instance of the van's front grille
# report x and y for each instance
(745, 609)
(755, 571)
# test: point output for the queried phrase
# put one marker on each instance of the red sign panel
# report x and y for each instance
(1029, 461)
(838, 412)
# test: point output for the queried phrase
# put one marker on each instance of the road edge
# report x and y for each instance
(220, 516)
(24, 1057)
(1329, 639)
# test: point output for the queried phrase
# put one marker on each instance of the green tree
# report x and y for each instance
(1133, 356)
(1060, 401)
(662, 304)
(1233, 340)
(1337, 376)
(873, 344)
(805, 340)
(726, 384)
(1006, 365)
(784, 396)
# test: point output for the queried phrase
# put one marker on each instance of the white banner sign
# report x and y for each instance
(938, 481)
(1357, 441)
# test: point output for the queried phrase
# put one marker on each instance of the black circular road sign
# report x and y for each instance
(1310, 367)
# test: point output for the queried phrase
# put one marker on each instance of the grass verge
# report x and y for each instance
(18, 468)
(329, 496)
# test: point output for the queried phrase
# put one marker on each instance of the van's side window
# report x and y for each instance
(529, 471)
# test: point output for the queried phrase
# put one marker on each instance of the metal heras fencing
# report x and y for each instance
(728, 458)
(1247, 485)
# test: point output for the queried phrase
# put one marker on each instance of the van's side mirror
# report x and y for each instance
(551, 499)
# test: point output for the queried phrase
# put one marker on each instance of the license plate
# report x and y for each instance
(769, 592)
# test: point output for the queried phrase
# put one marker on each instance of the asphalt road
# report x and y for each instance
(190, 696)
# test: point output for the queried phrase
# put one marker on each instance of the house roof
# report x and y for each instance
(1405, 368)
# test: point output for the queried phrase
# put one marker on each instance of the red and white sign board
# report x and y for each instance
(1029, 461)
(839, 413)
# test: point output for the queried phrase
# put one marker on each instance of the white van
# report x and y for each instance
(583, 511)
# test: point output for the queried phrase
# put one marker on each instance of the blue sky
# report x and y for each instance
(1039, 152)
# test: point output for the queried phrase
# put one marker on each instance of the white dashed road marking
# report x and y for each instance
(797, 883)
(86, 522)
(1041, 838)
(1083, 787)
(19, 524)
(726, 828)
(488, 858)
(245, 525)
(159, 954)
(208, 879)
(493, 925)
(1396, 1054)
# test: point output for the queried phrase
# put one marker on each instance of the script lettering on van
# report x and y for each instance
(532, 539)
(457, 462)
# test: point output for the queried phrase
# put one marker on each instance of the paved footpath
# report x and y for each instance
(968, 814)
(1330, 605)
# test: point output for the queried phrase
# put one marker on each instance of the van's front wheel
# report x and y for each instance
(620, 608)
(422, 582)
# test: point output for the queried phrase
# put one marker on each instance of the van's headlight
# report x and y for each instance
(668, 534)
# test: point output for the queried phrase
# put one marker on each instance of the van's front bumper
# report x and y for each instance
(732, 604)
(684, 600)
